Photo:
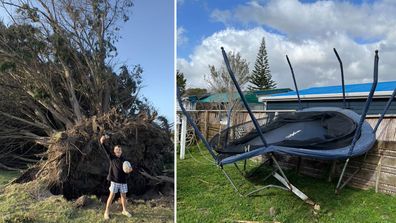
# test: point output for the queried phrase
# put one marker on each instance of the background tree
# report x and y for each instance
(261, 78)
(220, 82)
(196, 92)
(181, 82)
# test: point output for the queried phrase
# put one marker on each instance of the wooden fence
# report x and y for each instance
(378, 169)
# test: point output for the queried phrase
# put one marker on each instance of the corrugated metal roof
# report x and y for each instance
(272, 91)
(383, 88)
(225, 97)
(251, 96)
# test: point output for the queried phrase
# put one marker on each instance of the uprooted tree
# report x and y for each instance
(60, 90)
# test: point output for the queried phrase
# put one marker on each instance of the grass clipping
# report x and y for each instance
(77, 165)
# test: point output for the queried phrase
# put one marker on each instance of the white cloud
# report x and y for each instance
(312, 31)
(314, 61)
(221, 15)
(181, 37)
(320, 19)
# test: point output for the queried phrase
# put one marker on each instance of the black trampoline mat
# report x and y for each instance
(308, 130)
(301, 131)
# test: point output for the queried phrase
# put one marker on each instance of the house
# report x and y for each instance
(331, 96)
(214, 101)
(189, 103)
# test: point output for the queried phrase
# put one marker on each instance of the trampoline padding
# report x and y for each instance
(321, 132)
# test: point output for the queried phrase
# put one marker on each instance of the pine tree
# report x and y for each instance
(181, 82)
(261, 75)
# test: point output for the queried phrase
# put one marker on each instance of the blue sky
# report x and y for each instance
(148, 39)
(196, 15)
(305, 30)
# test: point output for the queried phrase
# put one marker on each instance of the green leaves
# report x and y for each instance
(261, 78)
(181, 82)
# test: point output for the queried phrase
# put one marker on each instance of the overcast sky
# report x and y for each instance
(305, 30)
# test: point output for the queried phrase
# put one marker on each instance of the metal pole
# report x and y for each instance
(229, 112)
(232, 183)
(295, 83)
(177, 129)
(256, 124)
(387, 106)
(279, 168)
(342, 77)
(362, 118)
(294, 189)
(342, 175)
(367, 105)
(265, 187)
(183, 137)
(195, 127)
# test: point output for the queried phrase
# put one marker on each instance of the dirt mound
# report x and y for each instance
(77, 165)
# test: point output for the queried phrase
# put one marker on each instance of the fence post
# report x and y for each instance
(177, 129)
(206, 125)
(183, 137)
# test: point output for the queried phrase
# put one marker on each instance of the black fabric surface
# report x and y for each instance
(339, 129)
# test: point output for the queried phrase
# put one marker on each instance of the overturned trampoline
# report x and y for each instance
(329, 133)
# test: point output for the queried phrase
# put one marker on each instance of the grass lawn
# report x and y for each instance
(30, 203)
(205, 195)
(6, 176)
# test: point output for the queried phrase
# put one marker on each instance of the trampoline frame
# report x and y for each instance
(277, 171)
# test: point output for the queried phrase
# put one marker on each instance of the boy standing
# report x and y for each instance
(117, 177)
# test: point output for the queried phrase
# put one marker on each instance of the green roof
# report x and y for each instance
(273, 91)
(251, 96)
(219, 97)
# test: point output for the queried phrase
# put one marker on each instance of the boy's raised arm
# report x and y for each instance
(102, 141)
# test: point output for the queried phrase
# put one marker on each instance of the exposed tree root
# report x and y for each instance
(77, 165)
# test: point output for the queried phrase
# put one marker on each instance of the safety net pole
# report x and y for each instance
(255, 122)
(192, 123)
(367, 105)
(295, 83)
(342, 77)
(362, 118)
(229, 111)
(387, 106)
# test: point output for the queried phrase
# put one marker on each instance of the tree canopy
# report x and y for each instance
(220, 81)
(261, 78)
(181, 82)
(57, 68)
(196, 92)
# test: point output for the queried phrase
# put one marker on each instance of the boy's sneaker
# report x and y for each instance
(126, 213)
(106, 216)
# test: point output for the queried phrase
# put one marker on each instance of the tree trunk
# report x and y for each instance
(73, 99)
